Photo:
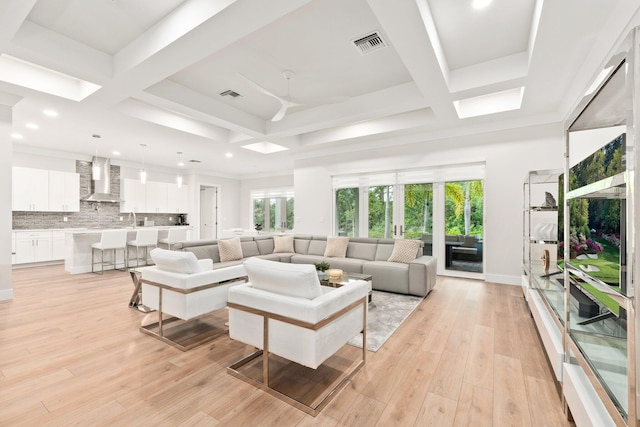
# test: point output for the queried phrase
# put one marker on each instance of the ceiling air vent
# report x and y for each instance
(230, 93)
(369, 43)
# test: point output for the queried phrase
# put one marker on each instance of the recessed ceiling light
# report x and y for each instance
(50, 113)
(16, 135)
(32, 125)
(481, 4)
(228, 155)
(115, 153)
(180, 164)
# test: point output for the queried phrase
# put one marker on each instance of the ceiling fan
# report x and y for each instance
(287, 102)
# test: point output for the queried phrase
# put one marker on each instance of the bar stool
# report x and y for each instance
(110, 240)
(144, 238)
(174, 235)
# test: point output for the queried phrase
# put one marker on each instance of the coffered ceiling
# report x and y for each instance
(153, 72)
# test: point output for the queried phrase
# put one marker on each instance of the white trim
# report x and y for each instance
(6, 294)
(586, 407)
(503, 279)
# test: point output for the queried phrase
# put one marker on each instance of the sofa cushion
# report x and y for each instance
(249, 248)
(175, 261)
(350, 265)
(287, 279)
(404, 250)
(307, 259)
(265, 244)
(384, 249)
(282, 244)
(301, 246)
(204, 252)
(230, 249)
(388, 276)
(359, 250)
(317, 247)
(336, 246)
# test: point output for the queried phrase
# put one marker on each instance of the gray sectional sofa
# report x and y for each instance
(364, 255)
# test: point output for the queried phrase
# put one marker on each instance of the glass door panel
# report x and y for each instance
(381, 211)
(464, 225)
(347, 212)
(418, 214)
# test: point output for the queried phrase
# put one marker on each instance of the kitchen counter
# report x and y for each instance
(78, 246)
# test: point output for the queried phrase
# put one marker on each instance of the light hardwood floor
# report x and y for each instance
(71, 354)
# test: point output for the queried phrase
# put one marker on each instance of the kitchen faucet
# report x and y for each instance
(134, 218)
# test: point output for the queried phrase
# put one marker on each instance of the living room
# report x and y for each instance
(407, 122)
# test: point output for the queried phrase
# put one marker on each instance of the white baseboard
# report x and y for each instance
(503, 279)
(6, 294)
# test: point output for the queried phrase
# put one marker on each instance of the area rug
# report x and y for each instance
(386, 313)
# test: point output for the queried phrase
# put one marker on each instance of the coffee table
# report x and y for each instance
(347, 278)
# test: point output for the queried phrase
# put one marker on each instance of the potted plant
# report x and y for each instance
(321, 268)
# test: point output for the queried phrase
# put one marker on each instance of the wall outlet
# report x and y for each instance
(121, 219)
(145, 218)
(65, 219)
(170, 218)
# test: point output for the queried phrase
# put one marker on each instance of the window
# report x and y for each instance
(347, 212)
(272, 210)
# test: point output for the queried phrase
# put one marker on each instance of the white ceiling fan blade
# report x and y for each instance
(283, 109)
(261, 89)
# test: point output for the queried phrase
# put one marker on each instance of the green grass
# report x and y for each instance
(602, 297)
(609, 264)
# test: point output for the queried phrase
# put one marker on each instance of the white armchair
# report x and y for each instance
(186, 288)
(283, 310)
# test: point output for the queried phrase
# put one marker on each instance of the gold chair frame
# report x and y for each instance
(149, 329)
(319, 403)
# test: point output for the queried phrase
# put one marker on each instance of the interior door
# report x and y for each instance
(208, 212)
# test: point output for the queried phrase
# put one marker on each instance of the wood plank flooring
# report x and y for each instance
(71, 354)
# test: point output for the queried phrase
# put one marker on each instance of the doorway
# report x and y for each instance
(208, 212)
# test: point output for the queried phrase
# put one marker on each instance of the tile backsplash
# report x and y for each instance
(92, 214)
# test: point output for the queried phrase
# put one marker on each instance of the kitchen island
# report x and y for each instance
(78, 243)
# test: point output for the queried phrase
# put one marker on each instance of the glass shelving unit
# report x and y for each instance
(600, 324)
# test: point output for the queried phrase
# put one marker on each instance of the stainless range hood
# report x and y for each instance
(101, 188)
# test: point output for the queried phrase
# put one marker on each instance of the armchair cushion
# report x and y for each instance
(176, 261)
(297, 280)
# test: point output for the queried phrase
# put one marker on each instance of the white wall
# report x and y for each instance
(6, 290)
(508, 155)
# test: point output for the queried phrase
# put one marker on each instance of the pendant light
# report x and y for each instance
(95, 167)
(143, 172)
(179, 175)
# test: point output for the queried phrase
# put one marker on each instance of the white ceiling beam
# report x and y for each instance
(403, 25)
(152, 114)
(176, 97)
(394, 100)
(12, 14)
(238, 20)
(413, 119)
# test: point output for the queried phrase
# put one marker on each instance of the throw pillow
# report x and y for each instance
(296, 280)
(283, 244)
(336, 247)
(230, 249)
(404, 250)
(175, 261)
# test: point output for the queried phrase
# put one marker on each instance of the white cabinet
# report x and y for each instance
(64, 191)
(156, 197)
(177, 198)
(13, 248)
(33, 246)
(30, 189)
(57, 245)
(134, 196)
